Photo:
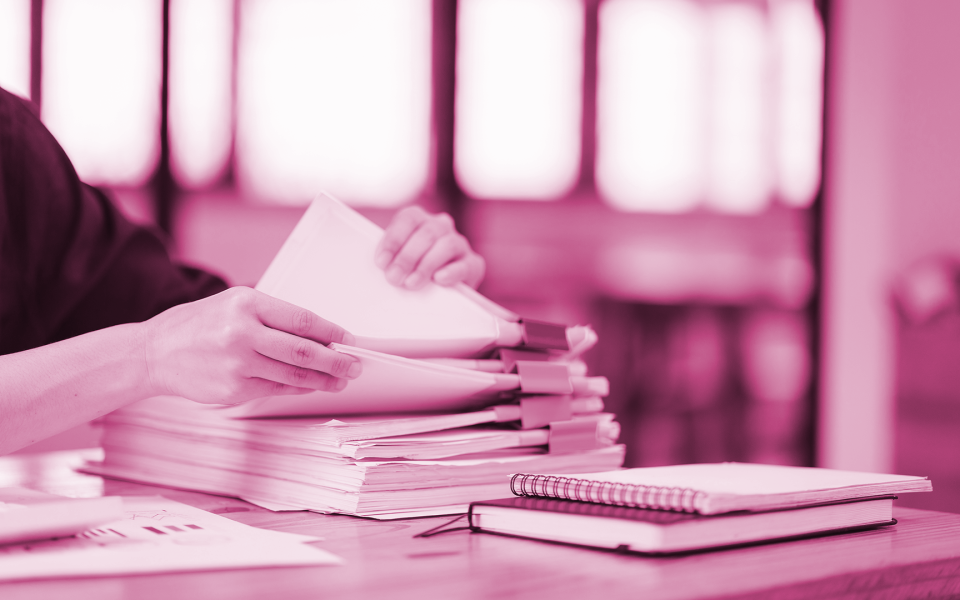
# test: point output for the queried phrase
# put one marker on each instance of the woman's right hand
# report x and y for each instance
(242, 344)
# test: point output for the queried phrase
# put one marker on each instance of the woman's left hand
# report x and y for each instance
(418, 247)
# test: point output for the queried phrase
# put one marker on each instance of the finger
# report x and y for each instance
(468, 269)
(293, 376)
(449, 248)
(417, 245)
(397, 233)
(283, 316)
(305, 353)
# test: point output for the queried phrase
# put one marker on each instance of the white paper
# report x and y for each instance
(327, 266)
(170, 413)
(158, 535)
(28, 515)
(388, 384)
(725, 487)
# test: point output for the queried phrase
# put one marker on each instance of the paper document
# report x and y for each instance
(190, 419)
(389, 384)
(327, 266)
(157, 535)
(28, 515)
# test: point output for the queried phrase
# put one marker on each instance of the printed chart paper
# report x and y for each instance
(158, 535)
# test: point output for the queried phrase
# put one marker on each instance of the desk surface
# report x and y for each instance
(919, 557)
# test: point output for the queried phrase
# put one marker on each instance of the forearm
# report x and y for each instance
(52, 388)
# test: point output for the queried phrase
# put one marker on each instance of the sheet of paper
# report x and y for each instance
(28, 515)
(743, 479)
(158, 535)
(327, 266)
(388, 384)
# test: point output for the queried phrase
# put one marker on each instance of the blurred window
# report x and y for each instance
(708, 103)
(651, 98)
(738, 167)
(518, 102)
(15, 46)
(201, 90)
(668, 105)
(335, 96)
(799, 39)
(101, 83)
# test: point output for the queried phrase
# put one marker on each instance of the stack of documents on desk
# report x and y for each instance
(386, 466)
(456, 394)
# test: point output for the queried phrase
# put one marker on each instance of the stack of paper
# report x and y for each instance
(456, 394)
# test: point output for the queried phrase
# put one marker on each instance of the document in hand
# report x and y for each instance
(662, 532)
(711, 489)
(327, 266)
(391, 383)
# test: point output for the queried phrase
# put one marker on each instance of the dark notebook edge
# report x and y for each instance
(597, 509)
(509, 502)
(681, 553)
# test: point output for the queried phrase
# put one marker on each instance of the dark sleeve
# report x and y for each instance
(70, 263)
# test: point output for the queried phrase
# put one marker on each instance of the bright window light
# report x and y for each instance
(334, 95)
(15, 46)
(201, 38)
(101, 85)
(518, 104)
(799, 40)
(739, 168)
(651, 104)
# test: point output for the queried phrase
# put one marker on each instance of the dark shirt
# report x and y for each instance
(70, 262)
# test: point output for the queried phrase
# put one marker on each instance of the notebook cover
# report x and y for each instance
(660, 517)
(716, 488)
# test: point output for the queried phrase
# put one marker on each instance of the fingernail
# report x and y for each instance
(382, 259)
(339, 385)
(348, 339)
(355, 369)
(395, 275)
(414, 281)
(443, 277)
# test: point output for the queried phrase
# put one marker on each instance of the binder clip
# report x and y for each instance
(510, 356)
(545, 336)
(574, 436)
(543, 377)
(540, 411)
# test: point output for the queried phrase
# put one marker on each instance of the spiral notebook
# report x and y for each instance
(710, 489)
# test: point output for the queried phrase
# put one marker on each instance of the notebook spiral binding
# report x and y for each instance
(606, 492)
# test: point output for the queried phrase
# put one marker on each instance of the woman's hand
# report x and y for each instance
(418, 246)
(242, 344)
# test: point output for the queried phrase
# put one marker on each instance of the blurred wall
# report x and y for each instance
(892, 197)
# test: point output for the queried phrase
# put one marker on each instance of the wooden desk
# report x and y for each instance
(918, 558)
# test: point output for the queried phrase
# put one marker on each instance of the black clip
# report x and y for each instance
(547, 336)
